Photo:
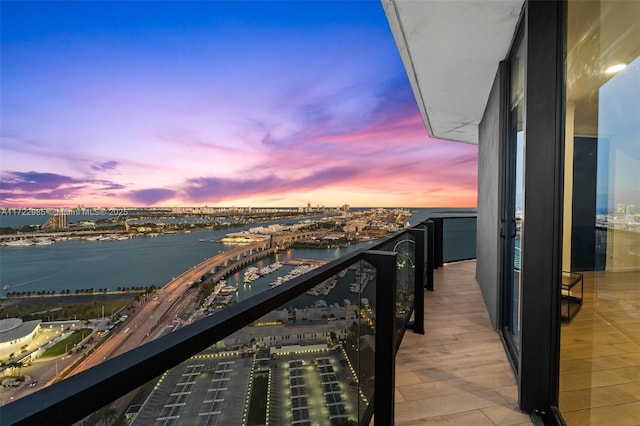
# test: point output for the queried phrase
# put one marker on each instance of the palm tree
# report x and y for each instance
(12, 364)
(109, 415)
(18, 365)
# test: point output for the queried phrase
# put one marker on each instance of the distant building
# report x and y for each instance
(311, 326)
(14, 334)
(548, 90)
(58, 221)
(355, 226)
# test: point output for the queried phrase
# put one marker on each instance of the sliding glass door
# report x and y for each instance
(514, 202)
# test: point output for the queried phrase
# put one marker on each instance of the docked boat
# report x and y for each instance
(19, 243)
(269, 268)
(251, 274)
(228, 290)
(296, 272)
(324, 288)
(43, 242)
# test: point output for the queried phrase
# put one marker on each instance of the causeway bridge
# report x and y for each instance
(230, 261)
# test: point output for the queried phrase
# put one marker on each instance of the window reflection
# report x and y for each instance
(600, 347)
(515, 214)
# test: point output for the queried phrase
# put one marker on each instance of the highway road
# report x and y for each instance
(160, 311)
(166, 310)
(155, 315)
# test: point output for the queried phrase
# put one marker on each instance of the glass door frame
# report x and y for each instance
(509, 228)
(536, 365)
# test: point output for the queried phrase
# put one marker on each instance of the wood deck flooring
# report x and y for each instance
(457, 373)
(600, 353)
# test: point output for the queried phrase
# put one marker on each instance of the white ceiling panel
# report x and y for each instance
(451, 50)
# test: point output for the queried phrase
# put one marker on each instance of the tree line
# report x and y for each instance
(79, 291)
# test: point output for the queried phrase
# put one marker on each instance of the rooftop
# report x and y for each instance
(13, 328)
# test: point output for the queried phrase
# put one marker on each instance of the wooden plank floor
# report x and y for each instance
(457, 373)
(600, 353)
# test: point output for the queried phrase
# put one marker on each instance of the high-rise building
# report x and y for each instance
(550, 92)
(57, 221)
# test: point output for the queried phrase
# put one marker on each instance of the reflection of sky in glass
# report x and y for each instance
(619, 140)
(519, 173)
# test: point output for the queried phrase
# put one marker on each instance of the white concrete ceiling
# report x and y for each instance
(451, 50)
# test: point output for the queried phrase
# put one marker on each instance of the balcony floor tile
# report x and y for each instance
(457, 373)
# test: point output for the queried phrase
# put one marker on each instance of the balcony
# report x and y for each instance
(457, 372)
(278, 358)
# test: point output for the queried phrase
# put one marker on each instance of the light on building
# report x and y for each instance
(615, 68)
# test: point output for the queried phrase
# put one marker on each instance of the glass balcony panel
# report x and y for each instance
(311, 361)
(405, 246)
(459, 238)
(364, 330)
(331, 327)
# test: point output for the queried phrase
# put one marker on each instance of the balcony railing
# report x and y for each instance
(283, 356)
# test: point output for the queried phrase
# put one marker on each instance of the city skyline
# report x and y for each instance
(215, 103)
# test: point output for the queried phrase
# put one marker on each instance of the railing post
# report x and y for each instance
(430, 252)
(386, 333)
(438, 243)
(418, 302)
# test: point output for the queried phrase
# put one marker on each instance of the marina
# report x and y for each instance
(72, 263)
(299, 270)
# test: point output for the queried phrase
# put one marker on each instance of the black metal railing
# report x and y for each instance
(362, 337)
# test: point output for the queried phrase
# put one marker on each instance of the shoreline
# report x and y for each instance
(66, 298)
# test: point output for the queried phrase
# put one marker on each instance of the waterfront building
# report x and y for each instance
(14, 334)
(550, 92)
(57, 221)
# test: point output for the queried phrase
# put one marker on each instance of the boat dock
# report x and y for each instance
(298, 262)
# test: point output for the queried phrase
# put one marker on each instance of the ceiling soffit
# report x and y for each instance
(451, 51)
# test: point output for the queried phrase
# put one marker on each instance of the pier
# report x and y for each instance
(298, 262)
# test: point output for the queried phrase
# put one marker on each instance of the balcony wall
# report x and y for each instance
(488, 247)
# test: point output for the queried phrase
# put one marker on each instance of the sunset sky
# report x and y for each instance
(215, 103)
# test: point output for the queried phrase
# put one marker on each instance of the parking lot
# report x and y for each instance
(305, 388)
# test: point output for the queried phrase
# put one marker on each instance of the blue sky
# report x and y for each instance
(216, 103)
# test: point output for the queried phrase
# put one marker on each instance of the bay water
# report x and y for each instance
(140, 261)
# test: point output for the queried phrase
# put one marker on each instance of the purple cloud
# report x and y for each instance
(111, 186)
(33, 181)
(215, 189)
(59, 194)
(20, 186)
(151, 196)
(105, 166)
